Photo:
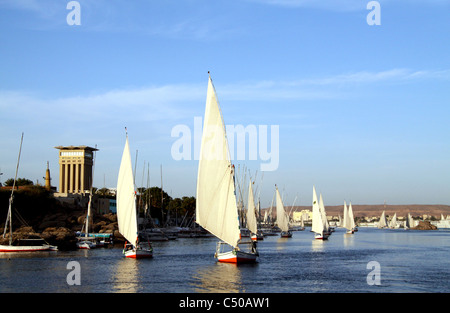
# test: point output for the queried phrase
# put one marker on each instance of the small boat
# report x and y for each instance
(138, 251)
(252, 222)
(216, 206)
(21, 245)
(409, 222)
(126, 210)
(326, 225)
(348, 222)
(28, 245)
(86, 244)
(393, 222)
(383, 221)
(282, 218)
(318, 226)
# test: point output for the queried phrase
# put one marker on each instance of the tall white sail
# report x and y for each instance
(252, 223)
(382, 223)
(410, 221)
(282, 219)
(393, 222)
(326, 226)
(351, 219)
(345, 221)
(317, 224)
(126, 201)
(216, 209)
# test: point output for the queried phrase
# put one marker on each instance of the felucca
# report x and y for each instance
(252, 223)
(282, 218)
(216, 208)
(318, 226)
(126, 210)
(86, 243)
(349, 222)
(383, 222)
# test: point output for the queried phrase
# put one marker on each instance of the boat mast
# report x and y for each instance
(9, 217)
(90, 197)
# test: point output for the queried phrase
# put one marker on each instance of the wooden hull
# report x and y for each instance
(138, 254)
(285, 234)
(323, 236)
(237, 257)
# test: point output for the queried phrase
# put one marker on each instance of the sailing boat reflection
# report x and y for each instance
(317, 245)
(218, 278)
(126, 277)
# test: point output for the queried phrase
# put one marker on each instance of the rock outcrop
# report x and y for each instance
(424, 226)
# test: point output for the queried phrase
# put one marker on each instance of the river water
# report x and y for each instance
(402, 262)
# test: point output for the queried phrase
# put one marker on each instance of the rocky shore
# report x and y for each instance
(59, 229)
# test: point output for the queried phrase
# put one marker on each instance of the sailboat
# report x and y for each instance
(252, 223)
(383, 222)
(326, 225)
(126, 210)
(282, 218)
(393, 222)
(409, 222)
(216, 207)
(349, 222)
(317, 223)
(21, 245)
(352, 218)
(85, 243)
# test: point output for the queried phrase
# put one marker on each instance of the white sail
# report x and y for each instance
(382, 223)
(317, 224)
(345, 219)
(326, 226)
(351, 219)
(252, 224)
(216, 209)
(393, 222)
(410, 221)
(282, 219)
(126, 201)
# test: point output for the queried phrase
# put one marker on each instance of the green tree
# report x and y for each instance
(19, 182)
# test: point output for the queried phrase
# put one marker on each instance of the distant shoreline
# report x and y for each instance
(370, 210)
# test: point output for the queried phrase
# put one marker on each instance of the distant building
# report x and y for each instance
(306, 214)
(75, 169)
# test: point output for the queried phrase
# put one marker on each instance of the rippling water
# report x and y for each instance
(410, 261)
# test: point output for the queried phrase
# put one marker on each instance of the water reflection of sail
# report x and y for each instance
(218, 278)
(126, 277)
(317, 246)
(348, 240)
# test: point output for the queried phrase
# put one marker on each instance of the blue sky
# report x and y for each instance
(363, 111)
